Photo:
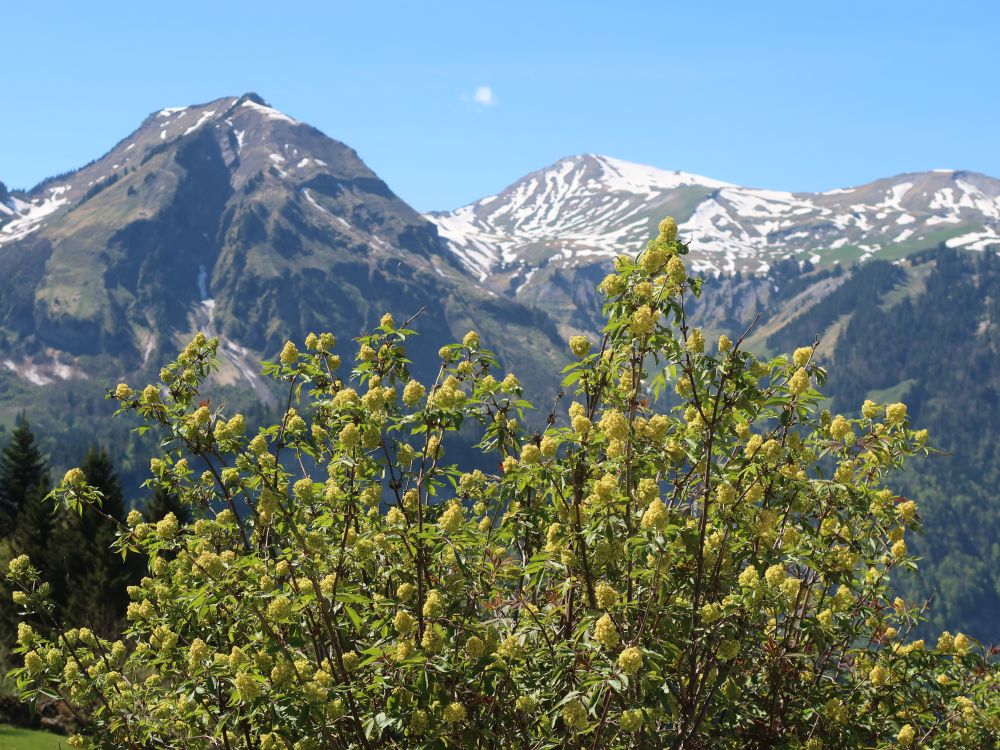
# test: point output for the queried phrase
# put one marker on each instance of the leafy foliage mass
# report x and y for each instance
(720, 575)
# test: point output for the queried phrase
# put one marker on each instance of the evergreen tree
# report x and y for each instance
(89, 583)
(164, 502)
(25, 520)
(22, 471)
(33, 527)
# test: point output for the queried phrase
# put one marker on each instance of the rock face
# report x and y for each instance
(234, 218)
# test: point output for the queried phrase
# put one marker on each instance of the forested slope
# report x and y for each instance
(925, 332)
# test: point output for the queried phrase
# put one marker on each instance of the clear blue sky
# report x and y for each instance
(790, 95)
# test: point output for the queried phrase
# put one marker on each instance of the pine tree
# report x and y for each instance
(25, 520)
(89, 582)
(164, 502)
(33, 527)
(22, 471)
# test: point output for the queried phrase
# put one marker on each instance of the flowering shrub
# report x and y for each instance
(717, 574)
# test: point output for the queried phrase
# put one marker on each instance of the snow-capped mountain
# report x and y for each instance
(589, 208)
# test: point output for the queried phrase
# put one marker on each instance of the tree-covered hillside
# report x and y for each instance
(925, 332)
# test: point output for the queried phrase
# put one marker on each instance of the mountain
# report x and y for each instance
(234, 218)
(586, 209)
(240, 221)
(237, 219)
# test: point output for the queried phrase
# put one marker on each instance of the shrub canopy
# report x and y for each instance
(713, 574)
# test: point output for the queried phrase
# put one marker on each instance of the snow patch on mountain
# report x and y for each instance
(269, 112)
(624, 176)
(43, 371)
(579, 208)
(974, 240)
(205, 117)
(590, 207)
(32, 213)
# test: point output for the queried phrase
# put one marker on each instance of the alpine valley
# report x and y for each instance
(236, 219)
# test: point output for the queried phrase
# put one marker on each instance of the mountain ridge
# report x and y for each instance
(592, 206)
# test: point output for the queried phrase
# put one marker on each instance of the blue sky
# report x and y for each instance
(796, 96)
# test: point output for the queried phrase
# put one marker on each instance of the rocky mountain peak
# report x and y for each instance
(230, 217)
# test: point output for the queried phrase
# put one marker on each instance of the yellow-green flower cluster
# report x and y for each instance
(614, 424)
(605, 595)
(907, 734)
(696, 341)
(676, 272)
(895, 413)
(454, 713)
(799, 382)
(579, 345)
(289, 354)
(574, 714)
(644, 320)
(452, 518)
(840, 428)
(404, 622)
(605, 632)
(655, 517)
(434, 604)
(630, 660)
(802, 355)
(449, 395)
(413, 393)
(631, 720)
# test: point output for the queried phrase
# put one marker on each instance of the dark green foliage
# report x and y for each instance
(32, 532)
(868, 284)
(791, 283)
(22, 471)
(24, 483)
(164, 502)
(88, 581)
(946, 342)
(98, 187)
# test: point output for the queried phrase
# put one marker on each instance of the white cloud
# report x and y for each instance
(484, 96)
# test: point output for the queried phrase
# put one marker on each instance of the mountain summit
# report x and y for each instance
(230, 217)
(586, 209)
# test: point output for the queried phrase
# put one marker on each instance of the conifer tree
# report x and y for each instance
(164, 502)
(22, 470)
(24, 519)
(88, 581)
